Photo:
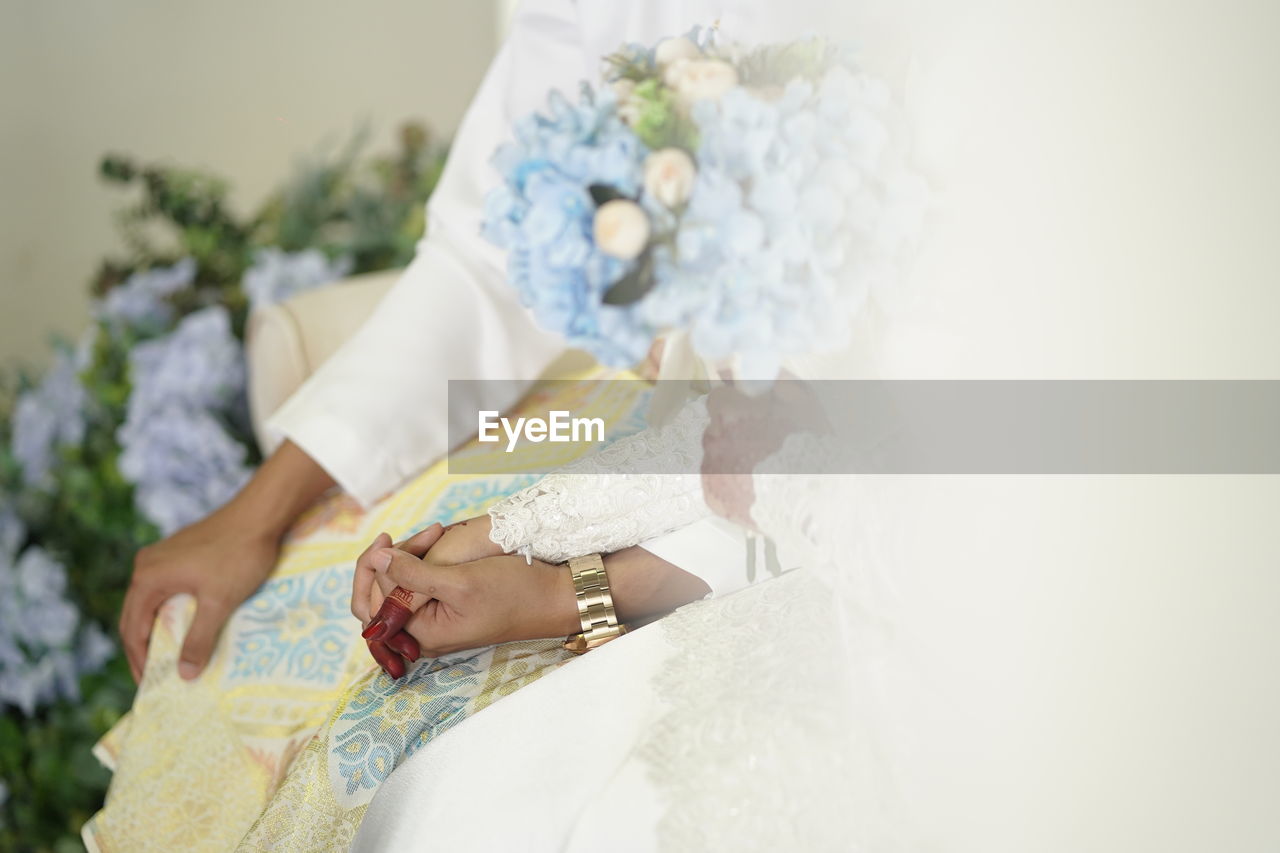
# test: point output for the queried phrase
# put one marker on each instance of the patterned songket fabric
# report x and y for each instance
(285, 738)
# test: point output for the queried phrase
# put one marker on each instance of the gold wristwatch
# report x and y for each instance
(595, 605)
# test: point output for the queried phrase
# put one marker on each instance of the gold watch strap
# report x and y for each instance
(595, 605)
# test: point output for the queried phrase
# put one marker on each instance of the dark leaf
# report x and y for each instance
(602, 194)
(634, 285)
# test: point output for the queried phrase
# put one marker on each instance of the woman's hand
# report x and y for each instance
(504, 599)
(484, 602)
(460, 542)
(464, 541)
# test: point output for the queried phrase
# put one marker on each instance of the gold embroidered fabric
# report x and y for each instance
(284, 739)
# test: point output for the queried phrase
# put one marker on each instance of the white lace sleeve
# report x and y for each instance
(637, 488)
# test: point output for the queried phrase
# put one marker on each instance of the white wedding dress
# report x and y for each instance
(1033, 664)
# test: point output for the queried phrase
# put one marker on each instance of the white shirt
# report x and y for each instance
(377, 412)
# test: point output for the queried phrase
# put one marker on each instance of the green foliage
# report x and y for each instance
(628, 65)
(367, 208)
(660, 121)
(373, 214)
(55, 782)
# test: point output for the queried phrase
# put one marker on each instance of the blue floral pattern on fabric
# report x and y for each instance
(463, 500)
(295, 627)
(389, 720)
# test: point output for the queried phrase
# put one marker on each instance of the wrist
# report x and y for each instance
(560, 601)
(483, 525)
(256, 519)
(286, 484)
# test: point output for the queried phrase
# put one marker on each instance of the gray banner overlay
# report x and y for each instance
(1084, 427)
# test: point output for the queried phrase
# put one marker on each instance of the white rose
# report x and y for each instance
(673, 49)
(669, 175)
(700, 79)
(623, 89)
(621, 228)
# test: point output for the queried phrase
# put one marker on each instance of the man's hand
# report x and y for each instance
(221, 560)
(217, 561)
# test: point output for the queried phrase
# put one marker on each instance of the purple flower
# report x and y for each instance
(183, 465)
(143, 298)
(12, 532)
(40, 657)
(200, 364)
(45, 417)
(277, 275)
(176, 449)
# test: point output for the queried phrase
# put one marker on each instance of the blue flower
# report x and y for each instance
(276, 275)
(143, 299)
(793, 217)
(543, 216)
(45, 417)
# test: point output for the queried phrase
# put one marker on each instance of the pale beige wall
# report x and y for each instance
(238, 86)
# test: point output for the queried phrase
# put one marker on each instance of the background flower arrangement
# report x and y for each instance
(141, 427)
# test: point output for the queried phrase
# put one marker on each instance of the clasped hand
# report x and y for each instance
(475, 595)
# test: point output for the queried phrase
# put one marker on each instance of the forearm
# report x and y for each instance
(643, 586)
(446, 608)
(284, 486)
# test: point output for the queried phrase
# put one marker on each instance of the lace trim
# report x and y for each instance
(752, 753)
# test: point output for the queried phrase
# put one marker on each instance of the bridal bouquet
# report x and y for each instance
(744, 196)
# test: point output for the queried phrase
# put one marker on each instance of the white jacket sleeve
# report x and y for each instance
(377, 412)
